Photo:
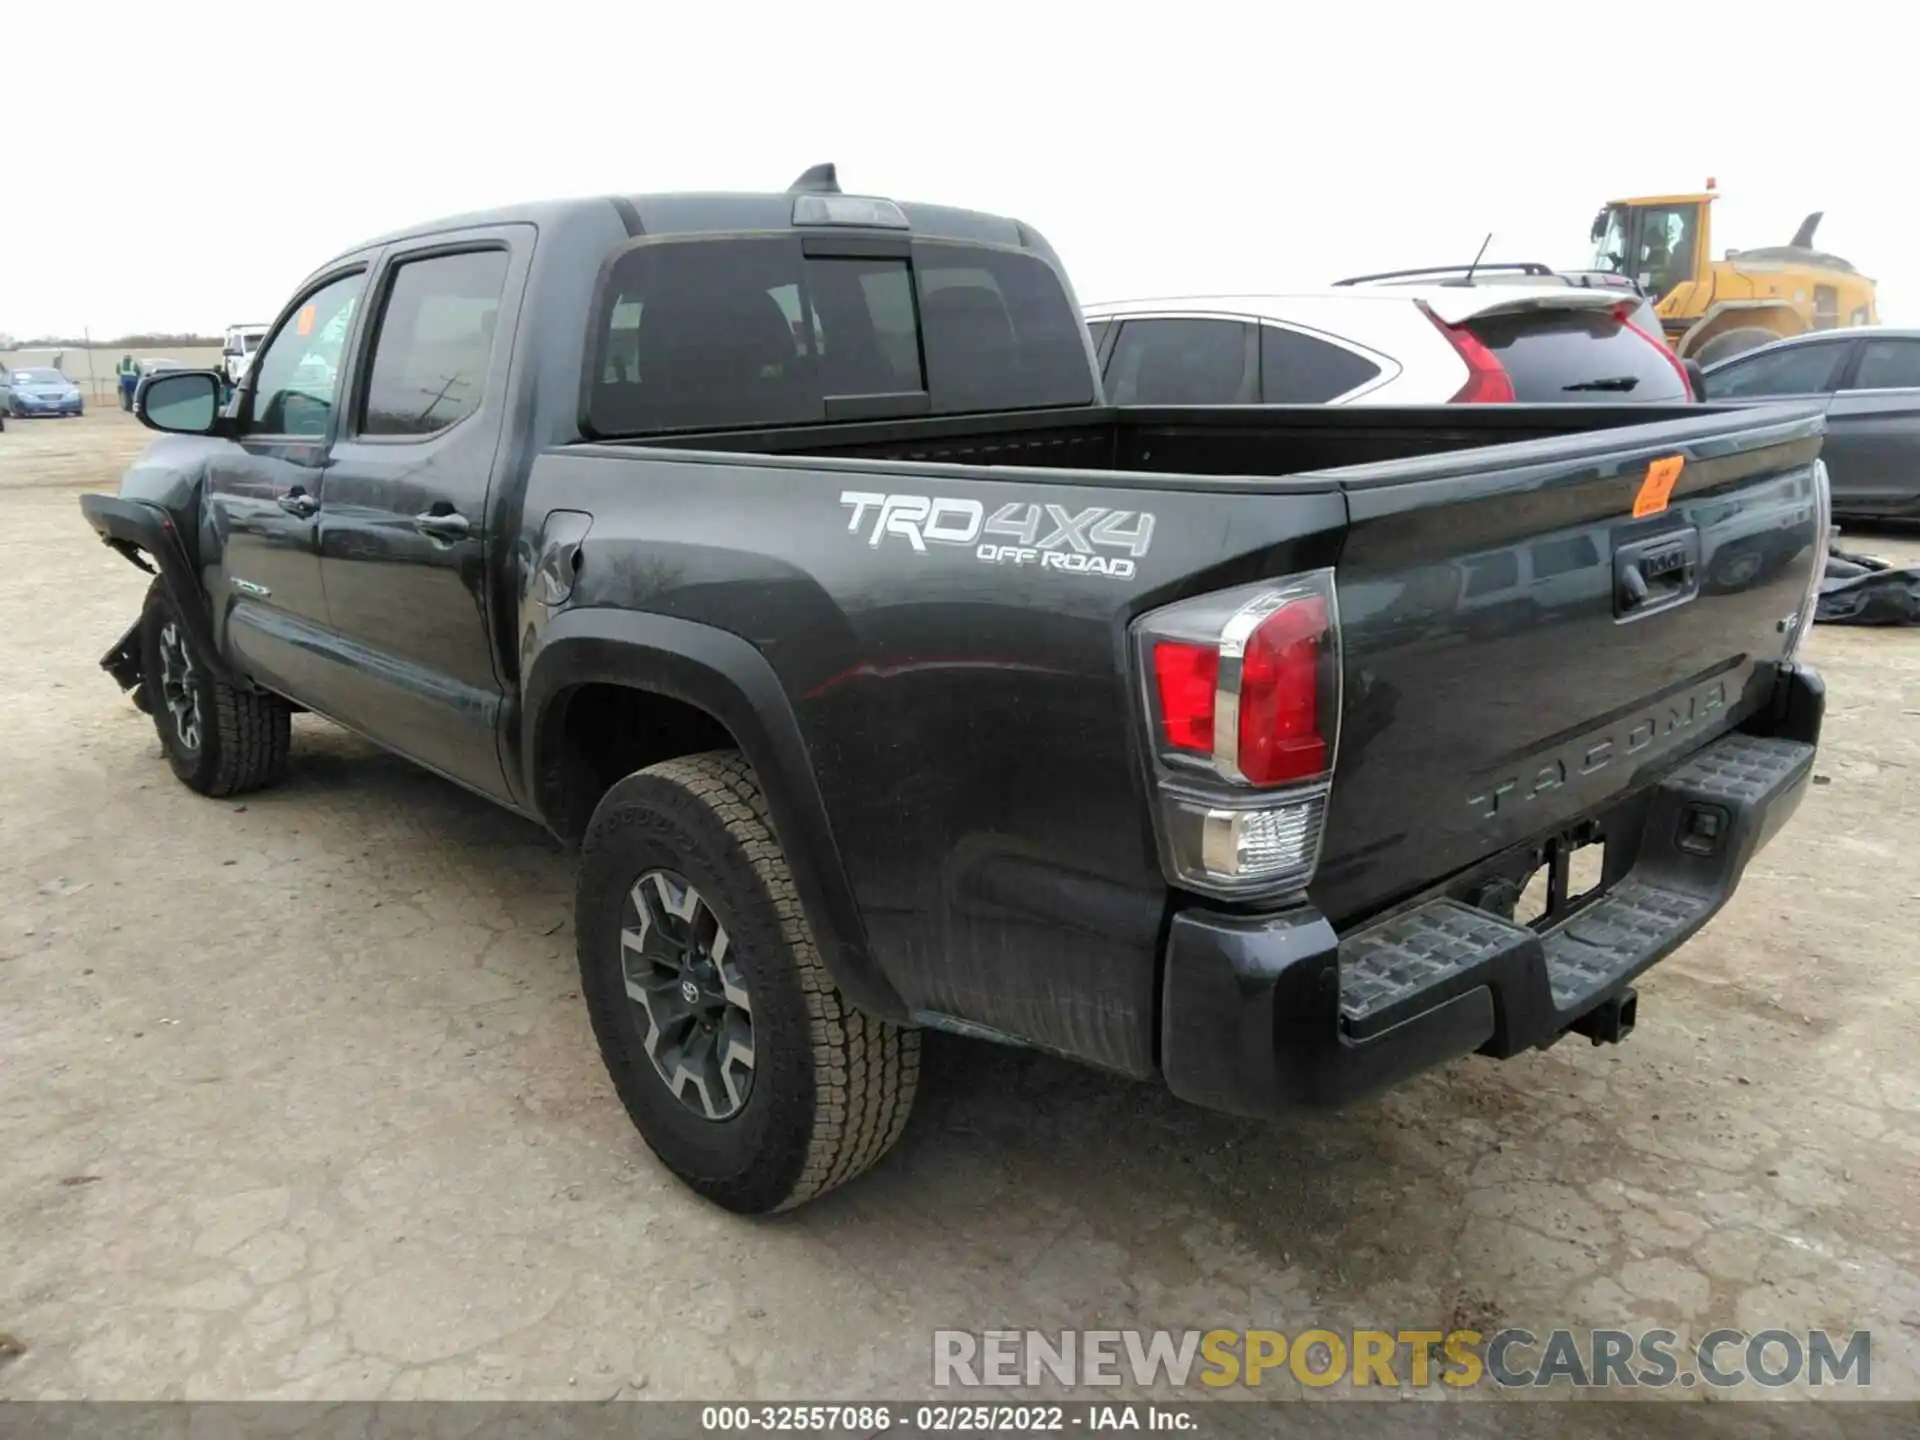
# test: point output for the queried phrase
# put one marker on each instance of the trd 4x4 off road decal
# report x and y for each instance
(1018, 533)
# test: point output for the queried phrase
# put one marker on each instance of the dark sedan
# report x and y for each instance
(1870, 379)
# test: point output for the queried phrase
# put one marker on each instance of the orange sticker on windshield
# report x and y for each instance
(304, 325)
(1657, 488)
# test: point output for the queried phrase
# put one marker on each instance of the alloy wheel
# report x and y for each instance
(690, 999)
(178, 690)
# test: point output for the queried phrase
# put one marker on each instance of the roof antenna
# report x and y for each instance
(1478, 256)
(818, 180)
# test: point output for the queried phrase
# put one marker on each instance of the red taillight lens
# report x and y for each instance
(1487, 380)
(1276, 712)
(1242, 694)
(1280, 736)
(1625, 314)
(1185, 676)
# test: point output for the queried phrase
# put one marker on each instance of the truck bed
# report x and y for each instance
(1177, 444)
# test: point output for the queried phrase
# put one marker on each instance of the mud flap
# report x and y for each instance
(122, 662)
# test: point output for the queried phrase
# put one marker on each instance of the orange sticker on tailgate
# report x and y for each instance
(304, 325)
(1657, 488)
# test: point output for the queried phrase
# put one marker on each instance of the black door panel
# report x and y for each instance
(405, 536)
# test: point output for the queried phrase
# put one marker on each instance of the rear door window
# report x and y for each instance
(434, 344)
(1563, 357)
(1793, 370)
(736, 332)
(1301, 369)
(1888, 365)
(1177, 361)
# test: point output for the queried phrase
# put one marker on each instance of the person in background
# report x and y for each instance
(129, 374)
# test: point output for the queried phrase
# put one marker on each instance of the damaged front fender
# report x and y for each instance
(143, 532)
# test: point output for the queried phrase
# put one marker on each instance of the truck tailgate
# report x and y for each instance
(1528, 634)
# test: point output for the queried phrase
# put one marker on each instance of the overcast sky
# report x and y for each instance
(182, 167)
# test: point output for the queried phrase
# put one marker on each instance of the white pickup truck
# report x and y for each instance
(236, 353)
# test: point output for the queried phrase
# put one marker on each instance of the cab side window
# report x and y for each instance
(297, 377)
(434, 343)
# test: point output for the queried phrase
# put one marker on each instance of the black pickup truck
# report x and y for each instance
(779, 550)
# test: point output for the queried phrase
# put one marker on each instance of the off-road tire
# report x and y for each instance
(831, 1088)
(244, 735)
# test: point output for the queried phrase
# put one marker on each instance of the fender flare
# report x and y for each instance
(134, 527)
(718, 672)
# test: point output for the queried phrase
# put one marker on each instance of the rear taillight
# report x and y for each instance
(1624, 314)
(1243, 704)
(1487, 380)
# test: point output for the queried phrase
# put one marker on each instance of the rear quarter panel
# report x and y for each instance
(971, 724)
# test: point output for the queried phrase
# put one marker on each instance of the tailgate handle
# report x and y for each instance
(1656, 574)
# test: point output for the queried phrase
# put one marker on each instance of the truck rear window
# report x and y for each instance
(1565, 357)
(724, 332)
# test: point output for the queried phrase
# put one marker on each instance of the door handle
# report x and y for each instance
(299, 503)
(451, 525)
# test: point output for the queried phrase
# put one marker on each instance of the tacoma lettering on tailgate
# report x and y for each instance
(1642, 735)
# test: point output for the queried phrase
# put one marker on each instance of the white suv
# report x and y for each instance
(1385, 344)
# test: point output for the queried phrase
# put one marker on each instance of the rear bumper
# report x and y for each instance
(1264, 1014)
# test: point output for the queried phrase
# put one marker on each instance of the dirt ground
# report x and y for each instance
(298, 1099)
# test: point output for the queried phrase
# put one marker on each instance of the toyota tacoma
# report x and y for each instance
(780, 552)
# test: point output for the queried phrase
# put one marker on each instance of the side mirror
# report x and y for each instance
(1599, 227)
(1697, 375)
(179, 402)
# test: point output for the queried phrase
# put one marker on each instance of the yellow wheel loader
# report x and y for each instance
(1710, 309)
